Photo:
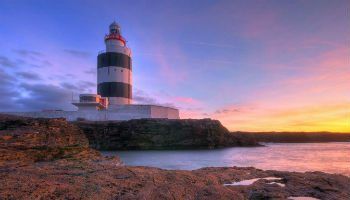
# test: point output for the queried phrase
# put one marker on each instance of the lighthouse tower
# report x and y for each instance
(113, 100)
(114, 69)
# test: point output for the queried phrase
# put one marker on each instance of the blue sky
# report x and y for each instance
(246, 63)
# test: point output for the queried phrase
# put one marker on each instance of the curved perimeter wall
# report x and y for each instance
(117, 112)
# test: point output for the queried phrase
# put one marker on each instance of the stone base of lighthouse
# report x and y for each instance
(115, 112)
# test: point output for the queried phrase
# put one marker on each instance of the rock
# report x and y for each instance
(68, 169)
(87, 180)
(27, 140)
(161, 134)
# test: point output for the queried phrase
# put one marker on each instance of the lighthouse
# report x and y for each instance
(113, 100)
(114, 69)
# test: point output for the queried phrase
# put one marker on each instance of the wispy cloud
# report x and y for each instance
(171, 73)
(77, 53)
(6, 62)
(212, 44)
(29, 53)
(29, 75)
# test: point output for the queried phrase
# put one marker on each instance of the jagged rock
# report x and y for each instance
(161, 134)
(26, 140)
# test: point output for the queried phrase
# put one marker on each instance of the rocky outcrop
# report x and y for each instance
(27, 140)
(50, 159)
(161, 134)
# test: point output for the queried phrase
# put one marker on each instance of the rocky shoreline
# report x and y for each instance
(161, 134)
(51, 159)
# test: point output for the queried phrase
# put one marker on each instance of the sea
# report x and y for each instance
(333, 157)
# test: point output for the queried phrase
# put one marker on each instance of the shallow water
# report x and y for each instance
(326, 157)
(251, 181)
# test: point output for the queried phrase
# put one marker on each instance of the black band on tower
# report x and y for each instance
(113, 59)
(114, 89)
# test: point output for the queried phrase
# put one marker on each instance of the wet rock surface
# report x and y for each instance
(161, 134)
(68, 169)
(88, 180)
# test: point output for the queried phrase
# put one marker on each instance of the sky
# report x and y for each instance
(254, 65)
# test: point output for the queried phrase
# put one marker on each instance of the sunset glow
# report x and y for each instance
(253, 66)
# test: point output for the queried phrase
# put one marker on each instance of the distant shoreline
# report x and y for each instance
(295, 137)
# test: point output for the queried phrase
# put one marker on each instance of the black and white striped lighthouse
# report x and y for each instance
(114, 69)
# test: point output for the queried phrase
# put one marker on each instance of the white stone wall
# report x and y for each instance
(126, 112)
(164, 112)
(119, 101)
(116, 112)
(173, 113)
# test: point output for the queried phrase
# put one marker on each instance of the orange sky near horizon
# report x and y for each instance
(319, 100)
(253, 65)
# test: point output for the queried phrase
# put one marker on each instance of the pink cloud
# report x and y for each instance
(260, 24)
(169, 72)
(186, 100)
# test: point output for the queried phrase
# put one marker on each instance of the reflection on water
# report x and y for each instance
(251, 181)
(326, 157)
